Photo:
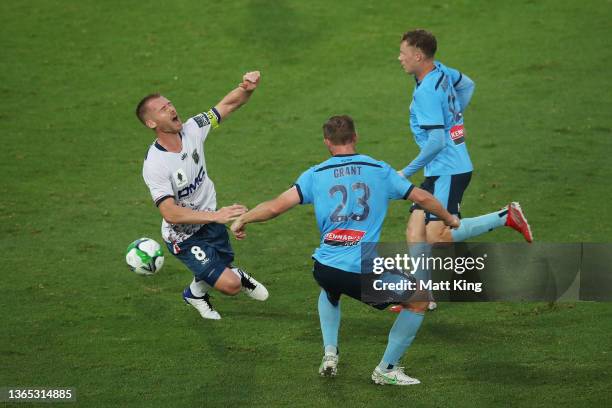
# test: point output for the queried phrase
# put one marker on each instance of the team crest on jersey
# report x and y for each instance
(180, 178)
(201, 119)
(195, 156)
(343, 237)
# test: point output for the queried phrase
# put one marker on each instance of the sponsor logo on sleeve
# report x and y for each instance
(343, 237)
(457, 134)
(202, 120)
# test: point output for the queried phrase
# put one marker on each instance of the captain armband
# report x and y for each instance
(213, 117)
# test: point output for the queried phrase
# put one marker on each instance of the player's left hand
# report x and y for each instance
(250, 80)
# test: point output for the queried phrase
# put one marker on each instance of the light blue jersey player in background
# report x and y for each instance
(350, 193)
(440, 97)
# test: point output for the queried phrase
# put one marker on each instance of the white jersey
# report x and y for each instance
(183, 176)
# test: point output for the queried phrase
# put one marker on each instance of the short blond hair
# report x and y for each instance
(141, 108)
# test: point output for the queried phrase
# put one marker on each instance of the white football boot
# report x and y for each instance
(250, 286)
(202, 305)
(329, 365)
(393, 377)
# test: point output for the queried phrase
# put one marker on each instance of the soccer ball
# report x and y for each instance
(144, 256)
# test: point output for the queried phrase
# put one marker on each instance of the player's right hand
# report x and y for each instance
(454, 222)
(250, 80)
(230, 213)
(238, 229)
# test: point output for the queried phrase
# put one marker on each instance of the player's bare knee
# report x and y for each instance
(228, 284)
(438, 233)
(414, 236)
(445, 236)
(434, 239)
(234, 287)
(230, 288)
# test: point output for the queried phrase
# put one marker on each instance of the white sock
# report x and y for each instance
(199, 288)
(331, 350)
(236, 270)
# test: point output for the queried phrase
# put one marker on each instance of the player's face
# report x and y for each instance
(409, 57)
(162, 113)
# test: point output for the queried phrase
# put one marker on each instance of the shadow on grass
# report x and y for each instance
(532, 374)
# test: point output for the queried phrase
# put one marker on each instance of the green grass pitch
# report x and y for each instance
(72, 196)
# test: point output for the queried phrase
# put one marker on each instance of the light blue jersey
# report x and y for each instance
(350, 194)
(435, 105)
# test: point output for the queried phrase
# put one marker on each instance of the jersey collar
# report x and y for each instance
(435, 68)
(162, 148)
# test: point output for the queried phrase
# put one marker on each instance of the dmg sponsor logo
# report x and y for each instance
(193, 186)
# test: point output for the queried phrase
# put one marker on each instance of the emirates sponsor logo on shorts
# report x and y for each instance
(457, 134)
(343, 237)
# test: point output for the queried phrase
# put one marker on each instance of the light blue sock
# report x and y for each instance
(472, 227)
(400, 337)
(329, 316)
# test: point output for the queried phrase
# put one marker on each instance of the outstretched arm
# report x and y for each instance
(435, 143)
(432, 205)
(175, 214)
(266, 211)
(239, 96)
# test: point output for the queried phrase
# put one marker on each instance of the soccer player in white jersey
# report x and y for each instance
(192, 227)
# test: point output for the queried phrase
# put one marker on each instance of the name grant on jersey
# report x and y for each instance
(347, 171)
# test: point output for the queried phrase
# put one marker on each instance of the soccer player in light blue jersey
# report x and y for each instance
(350, 193)
(440, 97)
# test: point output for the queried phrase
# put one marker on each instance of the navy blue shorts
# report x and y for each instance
(448, 190)
(359, 286)
(206, 253)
